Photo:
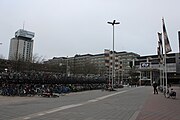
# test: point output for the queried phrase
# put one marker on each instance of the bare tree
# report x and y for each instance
(38, 59)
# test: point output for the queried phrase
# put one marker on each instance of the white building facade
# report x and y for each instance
(21, 46)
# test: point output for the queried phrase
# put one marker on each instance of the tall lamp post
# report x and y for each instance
(113, 58)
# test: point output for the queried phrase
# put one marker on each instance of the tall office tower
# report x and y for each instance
(21, 46)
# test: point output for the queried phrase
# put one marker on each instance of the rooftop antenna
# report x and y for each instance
(23, 25)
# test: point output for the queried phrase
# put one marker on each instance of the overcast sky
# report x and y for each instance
(69, 27)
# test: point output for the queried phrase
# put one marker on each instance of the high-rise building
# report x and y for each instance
(21, 46)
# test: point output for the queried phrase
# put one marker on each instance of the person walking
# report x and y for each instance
(155, 87)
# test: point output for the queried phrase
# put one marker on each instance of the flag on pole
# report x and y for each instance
(160, 41)
(160, 47)
(166, 40)
(158, 52)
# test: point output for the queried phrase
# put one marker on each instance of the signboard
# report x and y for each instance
(145, 65)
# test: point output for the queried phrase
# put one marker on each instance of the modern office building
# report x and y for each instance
(151, 70)
(98, 64)
(21, 46)
(147, 68)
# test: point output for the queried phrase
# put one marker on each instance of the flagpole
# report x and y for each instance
(168, 49)
(161, 59)
(164, 60)
(163, 67)
(160, 74)
(166, 74)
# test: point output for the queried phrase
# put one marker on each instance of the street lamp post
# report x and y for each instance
(113, 58)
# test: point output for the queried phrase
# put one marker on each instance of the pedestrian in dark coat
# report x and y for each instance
(155, 87)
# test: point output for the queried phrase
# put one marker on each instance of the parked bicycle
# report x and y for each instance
(170, 94)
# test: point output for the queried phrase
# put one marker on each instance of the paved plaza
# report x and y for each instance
(129, 103)
(157, 107)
